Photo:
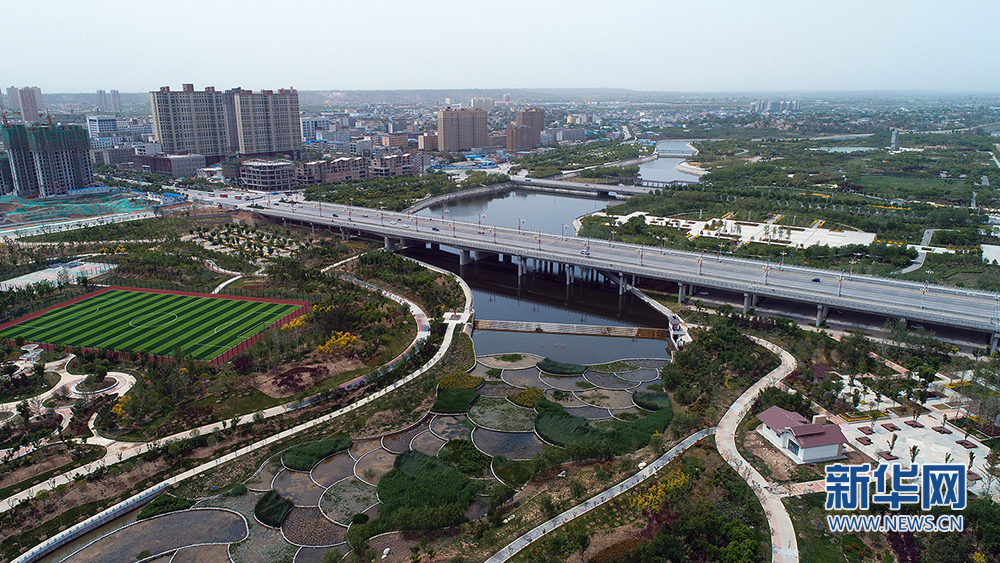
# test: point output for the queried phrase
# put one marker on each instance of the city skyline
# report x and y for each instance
(713, 46)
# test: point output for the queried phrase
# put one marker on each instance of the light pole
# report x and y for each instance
(699, 265)
(767, 267)
(923, 292)
(539, 239)
(381, 213)
(481, 217)
(719, 255)
(519, 223)
(611, 241)
(840, 287)
(850, 274)
(781, 265)
(564, 231)
(639, 252)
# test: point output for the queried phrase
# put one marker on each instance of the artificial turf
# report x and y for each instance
(152, 323)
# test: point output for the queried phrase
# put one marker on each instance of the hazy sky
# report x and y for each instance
(694, 45)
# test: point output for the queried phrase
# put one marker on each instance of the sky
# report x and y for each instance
(663, 45)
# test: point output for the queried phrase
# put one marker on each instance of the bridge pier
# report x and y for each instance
(994, 340)
(821, 312)
(464, 258)
(621, 283)
(520, 267)
(389, 245)
(747, 299)
(680, 292)
(569, 274)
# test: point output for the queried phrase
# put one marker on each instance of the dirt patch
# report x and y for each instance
(299, 378)
(56, 457)
(780, 465)
(603, 540)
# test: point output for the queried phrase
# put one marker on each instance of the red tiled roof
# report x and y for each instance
(778, 419)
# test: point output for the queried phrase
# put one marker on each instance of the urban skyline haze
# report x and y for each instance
(711, 45)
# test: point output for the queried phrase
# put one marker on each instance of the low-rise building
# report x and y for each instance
(112, 156)
(800, 440)
(175, 165)
(344, 169)
(392, 165)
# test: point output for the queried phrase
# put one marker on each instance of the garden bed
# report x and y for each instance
(502, 415)
(345, 499)
(516, 446)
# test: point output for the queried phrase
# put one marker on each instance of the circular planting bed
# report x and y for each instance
(607, 398)
(427, 443)
(308, 527)
(345, 499)
(400, 442)
(608, 380)
(165, 533)
(566, 382)
(374, 465)
(564, 398)
(334, 468)
(497, 389)
(451, 427)
(110, 382)
(315, 554)
(501, 415)
(521, 377)
(297, 487)
(640, 375)
(518, 446)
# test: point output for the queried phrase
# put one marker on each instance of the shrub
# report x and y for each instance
(422, 492)
(651, 401)
(359, 519)
(561, 429)
(511, 358)
(305, 456)
(527, 397)
(465, 457)
(163, 504)
(460, 380)
(451, 401)
(494, 372)
(272, 508)
(237, 490)
(558, 368)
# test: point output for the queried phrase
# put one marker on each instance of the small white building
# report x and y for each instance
(800, 440)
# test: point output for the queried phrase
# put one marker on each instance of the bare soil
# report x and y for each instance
(780, 465)
(299, 377)
(56, 457)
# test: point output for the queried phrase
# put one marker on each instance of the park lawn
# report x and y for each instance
(152, 323)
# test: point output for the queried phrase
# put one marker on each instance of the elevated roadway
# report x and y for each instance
(579, 257)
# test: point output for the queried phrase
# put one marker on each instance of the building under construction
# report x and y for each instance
(47, 160)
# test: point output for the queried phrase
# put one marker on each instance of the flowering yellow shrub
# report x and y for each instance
(338, 341)
(297, 322)
(652, 498)
(119, 409)
(460, 380)
(527, 397)
(677, 480)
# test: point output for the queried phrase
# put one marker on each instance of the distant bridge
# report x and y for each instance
(557, 328)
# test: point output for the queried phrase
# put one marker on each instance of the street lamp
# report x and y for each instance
(519, 223)
(767, 267)
(850, 274)
(719, 255)
(481, 217)
(611, 241)
(381, 213)
(840, 287)
(538, 237)
(781, 265)
(639, 252)
(923, 292)
(699, 264)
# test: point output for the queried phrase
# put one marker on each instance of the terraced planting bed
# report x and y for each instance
(502, 415)
(515, 446)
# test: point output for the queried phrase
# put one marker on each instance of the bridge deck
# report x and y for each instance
(557, 328)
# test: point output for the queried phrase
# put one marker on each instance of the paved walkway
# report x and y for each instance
(784, 547)
(514, 547)
(921, 255)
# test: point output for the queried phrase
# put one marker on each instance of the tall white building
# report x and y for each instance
(311, 125)
(102, 126)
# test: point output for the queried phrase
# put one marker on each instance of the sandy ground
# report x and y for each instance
(298, 377)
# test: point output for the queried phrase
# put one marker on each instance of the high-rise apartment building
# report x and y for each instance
(310, 126)
(191, 121)
(27, 100)
(12, 103)
(518, 138)
(534, 120)
(102, 100)
(267, 123)
(483, 103)
(48, 160)
(116, 101)
(462, 129)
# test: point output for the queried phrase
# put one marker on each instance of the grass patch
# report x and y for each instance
(452, 401)
(527, 397)
(513, 473)
(460, 380)
(494, 372)
(651, 401)
(558, 368)
(272, 508)
(163, 504)
(464, 456)
(511, 357)
(585, 385)
(305, 456)
(562, 428)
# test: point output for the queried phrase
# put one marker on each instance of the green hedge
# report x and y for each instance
(559, 368)
(163, 504)
(272, 508)
(561, 429)
(305, 456)
(422, 492)
(453, 401)
(465, 457)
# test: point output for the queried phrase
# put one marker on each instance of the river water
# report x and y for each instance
(540, 298)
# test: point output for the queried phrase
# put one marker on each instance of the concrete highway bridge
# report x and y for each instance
(580, 258)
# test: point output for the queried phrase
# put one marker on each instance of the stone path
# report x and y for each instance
(514, 547)
(784, 546)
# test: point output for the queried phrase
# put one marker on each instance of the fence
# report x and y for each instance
(246, 344)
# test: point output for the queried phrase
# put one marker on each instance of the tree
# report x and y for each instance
(25, 412)
(892, 443)
(583, 540)
(914, 450)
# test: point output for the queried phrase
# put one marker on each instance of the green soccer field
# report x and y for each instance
(152, 323)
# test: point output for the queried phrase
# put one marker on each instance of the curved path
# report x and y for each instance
(514, 547)
(783, 543)
(120, 451)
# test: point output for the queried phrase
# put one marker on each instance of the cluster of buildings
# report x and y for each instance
(25, 101)
(775, 106)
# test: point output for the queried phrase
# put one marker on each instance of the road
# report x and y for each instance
(943, 305)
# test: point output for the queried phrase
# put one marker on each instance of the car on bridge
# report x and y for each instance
(435, 229)
(817, 280)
